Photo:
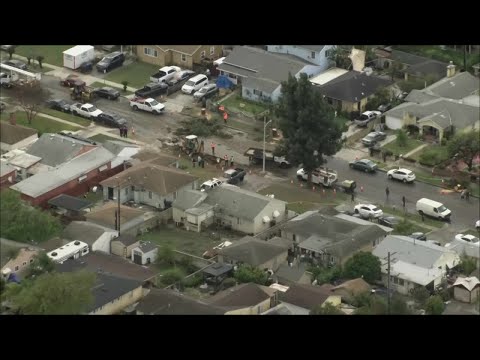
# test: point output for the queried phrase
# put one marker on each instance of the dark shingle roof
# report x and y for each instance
(109, 288)
(146, 247)
(218, 269)
(188, 199)
(83, 231)
(69, 202)
(407, 58)
(428, 67)
(242, 295)
(291, 273)
(126, 239)
(168, 302)
(12, 134)
(305, 296)
(353, 86)
(355, 286)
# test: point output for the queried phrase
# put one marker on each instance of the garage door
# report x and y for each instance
(393, 122)
(137, 259)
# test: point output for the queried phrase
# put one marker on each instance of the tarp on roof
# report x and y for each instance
(223, 82)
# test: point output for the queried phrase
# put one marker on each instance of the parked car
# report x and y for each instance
(363, 165)
(211, 184)
(194, 84)
(389, 221)
(206, 92)
(107, 93)
(16, 64)
(149, 105)
(384, 107)
(180, 76)
(70, 80)
(366, 117)
(152, 90)
(111, 120)
(405, 175)
(368, 211)
(164, 74)
(467, 238)
(7, 80)
(111, 61)
(86, 110)
(3, 106)
(433, 208)
(419, 236)
(60, 105)
(373, 138)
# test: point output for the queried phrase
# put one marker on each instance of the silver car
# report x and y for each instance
(206, 92)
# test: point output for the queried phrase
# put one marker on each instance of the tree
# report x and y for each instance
(41, 264)
(248, 274)
(22, 222)
(381, 96)
(402, 138)
(325, 275)
(395, 70)
(166, 255)
(307, 123)
(465, 146)
(365, 265)
(468, 265)
(398, 306)
(434, 305)
(327, 309)
(375, 306)
(172, 276)
(54, 294)
(125, 85)
(30, 97)
(421, 295)
(11, 51)
(339, 55)
(40, 59)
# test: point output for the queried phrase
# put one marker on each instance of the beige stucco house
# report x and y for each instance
(184, 56)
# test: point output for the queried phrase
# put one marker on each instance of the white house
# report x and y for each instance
(414, 263)
(316, 54)
(145, 254)
(96, 236)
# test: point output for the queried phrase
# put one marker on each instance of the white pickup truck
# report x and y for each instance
(86, 110)
(164, 74)
(149, 105)
(320, 176)
(7, 80)
(366, 117)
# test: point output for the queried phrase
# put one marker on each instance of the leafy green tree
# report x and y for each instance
(381, 96)
(468, 265)
(398, 306)
(411, 84)
(434, 305)
(327, 309)
(420, 295)
(402, 138)
(166, 255)
(40, 59)
(247, 274)
(375, 306)
(125, 85)
(41, 264)
(325, 275)
(395, 70)
(363, 264)
(307, 123)
(172, 276)
(465, 146)
(54, 294)
(11, 51)
(339, 55)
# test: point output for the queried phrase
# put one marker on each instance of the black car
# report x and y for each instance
(59, 104)
(419, 236)
(111, 120)
(389, 221)
(363, 165)
(151, 90)
(107, 93)
(111, 61)
(16, 63)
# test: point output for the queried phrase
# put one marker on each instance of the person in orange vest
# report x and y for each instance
(225, 117)
(213, 148)
(225, 158)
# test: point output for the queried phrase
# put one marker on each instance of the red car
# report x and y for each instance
(70, 80)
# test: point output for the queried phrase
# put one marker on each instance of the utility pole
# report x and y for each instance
(388, 282)
(264, 139)
(118, 207)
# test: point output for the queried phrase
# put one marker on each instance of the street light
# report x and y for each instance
(264, 135)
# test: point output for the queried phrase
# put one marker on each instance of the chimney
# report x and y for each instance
(12, 120)
(450, 70)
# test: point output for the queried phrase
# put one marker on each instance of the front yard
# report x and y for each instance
(65, 116)
(237, 103)
(40, 123)
(432, 155)
(137, 74)
(53, 54)
(415, 218)
(101, 138)
(398, 150)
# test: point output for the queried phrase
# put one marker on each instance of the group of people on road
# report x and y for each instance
(465, 194)
(199, 160)
(123, 131)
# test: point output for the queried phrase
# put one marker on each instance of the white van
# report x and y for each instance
(433, 208)
(195, 84)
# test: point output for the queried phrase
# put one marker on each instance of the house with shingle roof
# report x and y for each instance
(150, 184)
(184, 56)
(15, 136)
(315, 54)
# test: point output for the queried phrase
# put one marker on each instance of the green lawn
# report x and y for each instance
(408, 228)
(94, 197)
(433, 155)
(409, 146)
(237, 103)
(101, 138)
(301, 206)
(67, 117)
(41, 124)
(414, 217)
(53, 53)
(137, 74)
(98, 84)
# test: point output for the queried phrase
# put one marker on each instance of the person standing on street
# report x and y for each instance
(403, 202)
(387, 192)
(212, 145)
(225, 158)
(231, 161)
(353, 196)
(467, 195)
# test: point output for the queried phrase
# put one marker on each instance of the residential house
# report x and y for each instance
(351, 288)
(149, 184)
(108, 264)
(123, 151)
(351, 91)
(25, 164)
(145, 254)
(184, 56)
(327, 76)
(306, 296)
(254, 252)
(132, 220)
(123, 245)
(466, 289)
(329, 240)
(261, 72)
(21, 261)
(14, 136)
(427, 69)
(230, 206)
(75, 177)
(360, 221)
(245, 299)
(286, 309)
(451, 104)
(169, 302)
(315, 54)
(113, 294)
(8, 174)
(288, 274)
(414, 263)
(97, 237)
(69, 205)
(470, 251)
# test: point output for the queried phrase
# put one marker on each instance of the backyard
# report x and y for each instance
(40, 123)
(137, 74)
(237, 103)
(53, 54)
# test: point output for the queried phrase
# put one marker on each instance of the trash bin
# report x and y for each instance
(274, 133)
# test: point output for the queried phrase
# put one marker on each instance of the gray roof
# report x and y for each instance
(252, 251)
(291, 273)
(55, 149)
(199, 210)
(456, 87)
(407, 58)
(126, 239)
(5, 169)
(429, 67)
(286, 309)
(218, 269)
(242, 295)
(69, 202)
(462, 248)
(83, 231)
(241, 203)
(146, 247)
(109, 288)
(442, 119)
(188, 199)
(24, 160)
(353, 86)
(419, 96)
(168, 302)
(408, 250)
(305, 296)
(116, 146)
(41, 183)
(262, 84)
